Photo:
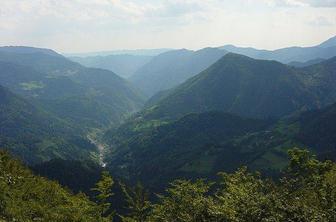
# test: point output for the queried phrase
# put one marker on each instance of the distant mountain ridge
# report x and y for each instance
(123, 65)
(169, 69)
(324, 50)
(140, 52)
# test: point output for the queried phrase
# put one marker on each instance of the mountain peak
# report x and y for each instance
(234, 57)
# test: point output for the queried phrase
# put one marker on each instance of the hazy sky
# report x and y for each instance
(94, 25)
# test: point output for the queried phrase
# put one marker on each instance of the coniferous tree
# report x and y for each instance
(138, 203)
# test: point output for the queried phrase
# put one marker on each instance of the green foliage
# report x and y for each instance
(185, 201)
(25, 197)
(104, 192)
(305, 193)
(245, 197)
(138, 204)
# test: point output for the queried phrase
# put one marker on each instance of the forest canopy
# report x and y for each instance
(306, 191)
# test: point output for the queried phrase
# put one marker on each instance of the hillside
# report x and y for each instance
(181, 148)
(200, 145)
(321, 79)
(26, 197)
(35, 135)
(88, 96)
(169, 69)
(240, 85)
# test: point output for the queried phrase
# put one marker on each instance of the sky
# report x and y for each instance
(70, 26)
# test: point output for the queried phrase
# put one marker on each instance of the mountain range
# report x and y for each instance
(50, 104)
(166, 69)
(325, 50)
(249, 87)
(136, 52)
(169, 69)
(239, 111)
(206, 111)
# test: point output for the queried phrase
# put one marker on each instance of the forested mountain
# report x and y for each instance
(321, 79)
(89, 96)
(169, 69)
(325, 50)
(240, 85)
(181, 148)
(35, 135)
(200, 145)
(167, 139)
(123, 65)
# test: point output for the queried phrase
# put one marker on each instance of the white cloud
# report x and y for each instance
(321, 21)
(83, 25)
(311, 3)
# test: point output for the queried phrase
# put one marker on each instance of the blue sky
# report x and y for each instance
(95, 25)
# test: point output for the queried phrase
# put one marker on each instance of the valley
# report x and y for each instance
(215, 134)
(101, 148)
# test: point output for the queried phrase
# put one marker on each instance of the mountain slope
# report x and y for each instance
(123, 65)
(206, 143)
(69, 89)
(169, 69)
(34, 135)
(169, 150)
(321, 79)
(240, 85)
(328, 43)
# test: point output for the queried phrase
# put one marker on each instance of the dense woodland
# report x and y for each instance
(306, 191)
(218, 134)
